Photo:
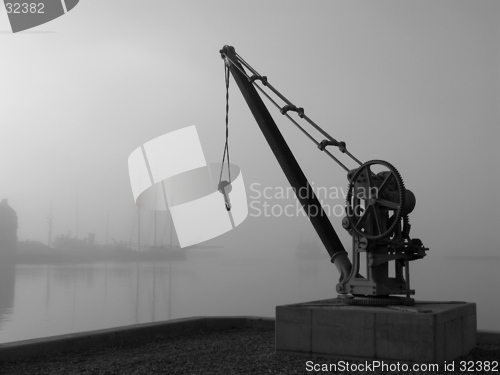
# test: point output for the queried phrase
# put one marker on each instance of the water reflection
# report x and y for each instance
(39, 300)
(7, 288)
(56, 299)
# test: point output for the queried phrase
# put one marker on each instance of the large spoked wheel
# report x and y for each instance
(375, 199)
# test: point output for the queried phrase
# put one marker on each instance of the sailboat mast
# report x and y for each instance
(155, 225)
(138, 227)
(171, 231)
(107, 227)
(76, 212)
(49, 240)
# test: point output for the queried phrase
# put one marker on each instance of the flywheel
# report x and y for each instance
(375, 199)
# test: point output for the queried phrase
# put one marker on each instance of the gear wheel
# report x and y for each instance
(371, 197)
(406, 227)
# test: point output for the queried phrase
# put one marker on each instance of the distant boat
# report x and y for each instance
(164, 246)
(75, 244)
(69, 249)
(168, 252)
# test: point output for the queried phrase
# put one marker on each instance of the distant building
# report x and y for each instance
(8, 228)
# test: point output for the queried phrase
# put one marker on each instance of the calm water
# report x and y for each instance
(47, 300)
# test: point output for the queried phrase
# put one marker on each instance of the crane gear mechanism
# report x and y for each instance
(375, 199)
(377, 205)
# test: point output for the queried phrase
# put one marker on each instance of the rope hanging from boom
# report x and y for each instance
(225, 185)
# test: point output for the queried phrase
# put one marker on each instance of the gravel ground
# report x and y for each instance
(232, 351)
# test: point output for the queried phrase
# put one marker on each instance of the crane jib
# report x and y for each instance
(289, 165)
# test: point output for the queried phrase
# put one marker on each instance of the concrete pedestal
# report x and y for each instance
(429, 332)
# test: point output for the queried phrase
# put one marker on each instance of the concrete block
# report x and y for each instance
(453, 338)
(469, 332)
(404, 336)
(294, 328)
(429, 332)
(356, 328)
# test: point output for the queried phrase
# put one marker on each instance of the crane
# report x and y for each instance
(377, 202)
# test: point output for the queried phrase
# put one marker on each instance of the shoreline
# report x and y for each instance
(19, 350)
(200, 345)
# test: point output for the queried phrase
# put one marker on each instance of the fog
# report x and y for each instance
(414, 83)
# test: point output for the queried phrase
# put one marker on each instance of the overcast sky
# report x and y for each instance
(415, 83)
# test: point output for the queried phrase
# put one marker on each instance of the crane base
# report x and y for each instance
(428, 332)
